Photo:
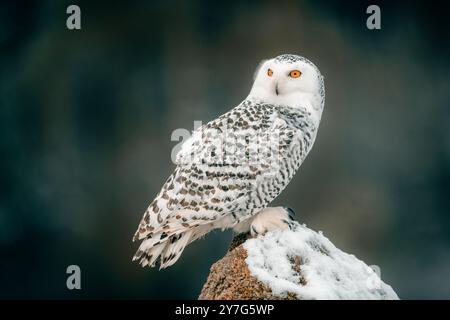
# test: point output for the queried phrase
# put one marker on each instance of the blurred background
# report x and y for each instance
(86, 118)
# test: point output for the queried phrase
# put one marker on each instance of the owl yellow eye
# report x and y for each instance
(269, 72)
(295, 74)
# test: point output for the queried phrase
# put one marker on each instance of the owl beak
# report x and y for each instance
(276, 88)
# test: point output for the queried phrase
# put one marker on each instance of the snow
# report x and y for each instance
(329, 273)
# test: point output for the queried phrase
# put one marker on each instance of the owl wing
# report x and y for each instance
(220, 172)
(208, 182)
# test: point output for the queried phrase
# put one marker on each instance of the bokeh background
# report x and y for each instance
(86, 119)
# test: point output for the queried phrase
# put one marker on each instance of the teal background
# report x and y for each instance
(86, 118)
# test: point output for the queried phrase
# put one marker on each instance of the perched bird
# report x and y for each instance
(231, 168)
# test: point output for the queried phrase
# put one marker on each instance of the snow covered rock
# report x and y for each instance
(292, 264)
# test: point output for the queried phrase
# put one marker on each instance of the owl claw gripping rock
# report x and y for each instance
(233, 167)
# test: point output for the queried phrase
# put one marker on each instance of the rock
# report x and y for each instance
(230, 278)
(292, 264)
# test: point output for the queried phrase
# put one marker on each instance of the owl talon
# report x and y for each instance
(291, 213)
(271, 219)
(253, 231)
(289, 224)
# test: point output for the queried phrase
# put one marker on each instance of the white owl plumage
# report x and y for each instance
(231, 168)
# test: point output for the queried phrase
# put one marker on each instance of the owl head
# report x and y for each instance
(289, 80)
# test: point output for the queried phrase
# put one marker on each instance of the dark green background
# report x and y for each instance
(86, 118)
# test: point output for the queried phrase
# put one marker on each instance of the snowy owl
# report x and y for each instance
(231, 168)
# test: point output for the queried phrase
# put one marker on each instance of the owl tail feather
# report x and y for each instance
(168, 250)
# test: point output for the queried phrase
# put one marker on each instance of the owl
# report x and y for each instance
(233, 167)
